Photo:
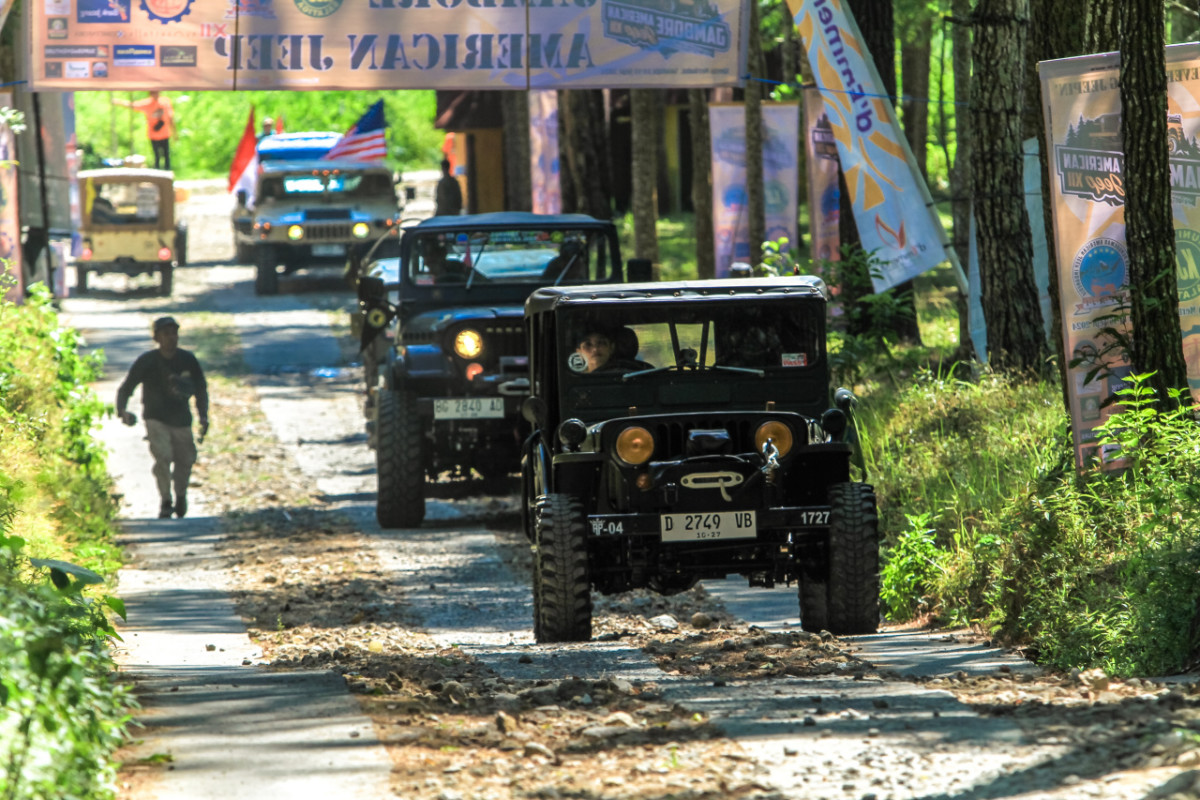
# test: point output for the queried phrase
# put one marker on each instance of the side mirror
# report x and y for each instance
(371, 289)
(845, 400)
(639, 270)
(533, 409)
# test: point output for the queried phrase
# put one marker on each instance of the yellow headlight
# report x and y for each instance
(295, 233)
(361, 229)
(635, 445)
(468, 343)
(779, 434)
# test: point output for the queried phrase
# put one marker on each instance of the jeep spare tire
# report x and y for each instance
(853, 559)
(399, 462)
(562, 602)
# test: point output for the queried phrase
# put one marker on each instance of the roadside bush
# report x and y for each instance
(61, 716)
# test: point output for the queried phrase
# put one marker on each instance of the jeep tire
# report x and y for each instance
(243, 253)
(853, 594)
(81, 279)
(399, 461)
(266, 278)
(814, 604)
(562, 601)
(168, 280)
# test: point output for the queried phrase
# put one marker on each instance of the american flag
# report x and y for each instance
(363, 142)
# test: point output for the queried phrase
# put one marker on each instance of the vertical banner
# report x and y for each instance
(1082, 106)
(731, 228)
(543, 151)
(73, 157)
(10, 220)
(824, 196)
(892, 207)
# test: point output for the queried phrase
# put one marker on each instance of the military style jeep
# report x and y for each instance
(313, 213)
(453, 367)
(684, 431)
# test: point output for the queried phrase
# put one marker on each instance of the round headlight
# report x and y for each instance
(572, 432)
(361, 229)
(468, 343)
(635, 445)
(295, 233)
(779, 434)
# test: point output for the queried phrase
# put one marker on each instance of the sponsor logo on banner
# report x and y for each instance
(133, 55)
(1090, 162)
(176, 55)
(693, 26)
(54, 69)
(1187, 264)
(823, 145)
(77, 69)
(165, 11)
(56, 28)
(57, 7)
(250, 8)
(106, 11)
(1100, 273)
(318, 8)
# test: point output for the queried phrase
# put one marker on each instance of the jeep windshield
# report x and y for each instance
(520, 256)
(635, 342)
(302, 186)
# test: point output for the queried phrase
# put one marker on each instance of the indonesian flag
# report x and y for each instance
(245, 161)
(363, 142)
(279, 123)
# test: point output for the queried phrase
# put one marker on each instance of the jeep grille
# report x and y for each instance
(672, 436)
(318, 232)
(504, 339)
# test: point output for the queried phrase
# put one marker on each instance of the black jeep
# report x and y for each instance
(454, 366)
(685, 431)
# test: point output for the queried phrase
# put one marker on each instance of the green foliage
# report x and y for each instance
(911, 569)
(210, 124)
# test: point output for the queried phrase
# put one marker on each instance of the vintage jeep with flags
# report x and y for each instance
(443, 344)
(708, 443)
(314, 213)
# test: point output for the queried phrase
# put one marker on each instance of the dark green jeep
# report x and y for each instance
(685, 431)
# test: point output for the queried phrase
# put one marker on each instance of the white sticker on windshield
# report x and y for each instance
(794, 359)
(577, 362)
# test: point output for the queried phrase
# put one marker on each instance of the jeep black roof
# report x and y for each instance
(506, 220)
(548, 298)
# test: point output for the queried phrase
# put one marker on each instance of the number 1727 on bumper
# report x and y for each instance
(714, 525)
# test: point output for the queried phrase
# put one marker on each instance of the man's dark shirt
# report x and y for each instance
(448, 199)
(167, 385)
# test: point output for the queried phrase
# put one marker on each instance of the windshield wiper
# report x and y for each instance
(758, 373)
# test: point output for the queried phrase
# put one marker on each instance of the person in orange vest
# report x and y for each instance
(160, 125)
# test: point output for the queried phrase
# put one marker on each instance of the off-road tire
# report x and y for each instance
(168, 280)
(814, 604)
(243, 253)
(81, 279)
(562, 603)
(399, 461)
(266, 276)
(181, 237)
(853, 559)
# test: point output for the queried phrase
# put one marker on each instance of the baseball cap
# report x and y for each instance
(165, 322)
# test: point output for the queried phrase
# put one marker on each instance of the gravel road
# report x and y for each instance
(416, 646)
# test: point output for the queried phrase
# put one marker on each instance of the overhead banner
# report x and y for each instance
(10, 219)
(385, 44)
(1082, 106)
(731, 227)
(892, 207)
(543, 152)
(824, 195)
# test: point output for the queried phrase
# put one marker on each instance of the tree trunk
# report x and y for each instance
(1009, 295)
(960, 173)
(1149, 231)
(1103, 27)
(518, 180)
(793, 59)
(1056, 31)
(583, 152)
(702, 202)
(645, 105)
(914, 65)
(755, 201)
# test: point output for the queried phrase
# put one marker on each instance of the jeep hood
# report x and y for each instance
(441, 319)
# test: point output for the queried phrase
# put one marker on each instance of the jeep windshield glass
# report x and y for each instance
(527, 257)
(125, 204)
(648, 342)
(348, 184)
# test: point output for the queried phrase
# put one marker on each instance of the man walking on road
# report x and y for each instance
(160, 125)
(170, 377)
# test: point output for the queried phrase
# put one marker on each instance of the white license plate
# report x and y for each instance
(329, 249)
(469, 408)
(714, 525)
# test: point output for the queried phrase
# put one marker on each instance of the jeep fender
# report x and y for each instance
(419, 364)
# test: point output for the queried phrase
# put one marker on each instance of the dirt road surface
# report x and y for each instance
(282, 645)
